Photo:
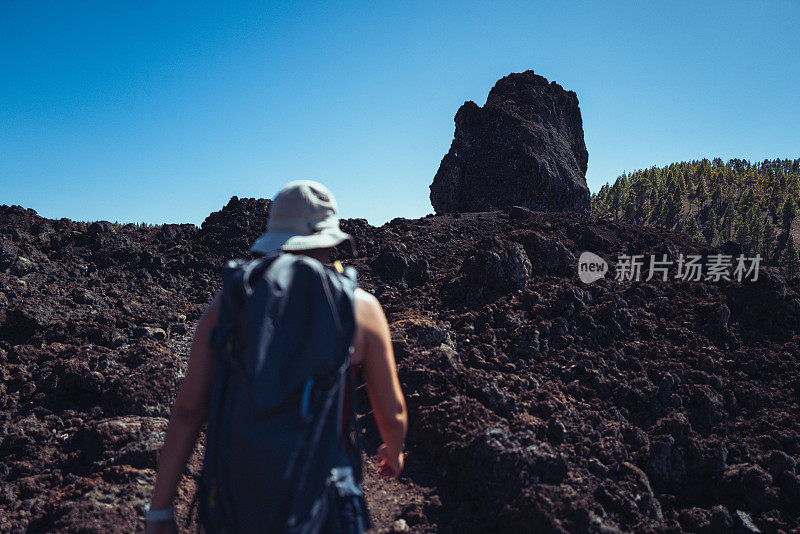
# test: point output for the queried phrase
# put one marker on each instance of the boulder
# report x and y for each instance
(523, 148)
(502, 265)
(506, 456)
(26, 320)
(750, 484)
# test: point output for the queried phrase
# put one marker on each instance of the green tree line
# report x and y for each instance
(751, 204)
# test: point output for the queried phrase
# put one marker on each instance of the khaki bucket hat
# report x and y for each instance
(303, 216)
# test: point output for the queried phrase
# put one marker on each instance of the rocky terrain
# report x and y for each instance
(537, 403)
(523, 147)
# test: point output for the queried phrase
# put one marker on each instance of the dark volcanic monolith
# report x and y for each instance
(523, 147)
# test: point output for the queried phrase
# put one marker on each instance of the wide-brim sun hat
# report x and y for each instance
(303, 216)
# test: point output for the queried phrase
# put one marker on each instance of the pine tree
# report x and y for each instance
(716, 196)
(710, 231)
(793, 186)
(788, 213)
(672, 209)
(767, 240)
(748, 201)
(756, 232)
(774, 201)
(728, 219)
(692, 228)
(789, 260)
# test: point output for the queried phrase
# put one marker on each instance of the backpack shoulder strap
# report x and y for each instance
(238, 280)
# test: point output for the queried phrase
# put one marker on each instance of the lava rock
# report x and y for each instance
(130, 440)
(562, 377)
(8, 253)
(778, 462)
(22, 266)
(150, 332)
(707, 457)
(503, 265)
(548, 256)
(695, 519)
(766, 303)
(28, 319)
(666, 465)
(394, 264)
(508, 457)
(751, 484)
(707, 408)
(524, 147)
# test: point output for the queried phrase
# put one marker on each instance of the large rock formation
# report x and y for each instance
(524, 147)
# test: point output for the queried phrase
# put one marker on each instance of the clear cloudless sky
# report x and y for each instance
(161, 111)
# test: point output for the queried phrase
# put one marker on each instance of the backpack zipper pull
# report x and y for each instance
(306, 400)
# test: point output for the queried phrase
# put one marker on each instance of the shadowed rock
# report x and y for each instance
(524, 147)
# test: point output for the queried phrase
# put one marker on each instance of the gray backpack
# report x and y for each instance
(281, 414)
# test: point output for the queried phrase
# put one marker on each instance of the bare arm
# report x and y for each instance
(373, 349)
(189, 411)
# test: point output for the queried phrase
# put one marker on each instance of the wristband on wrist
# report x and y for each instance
(159, 514)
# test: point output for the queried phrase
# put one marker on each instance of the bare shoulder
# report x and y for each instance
(367, 306)
(370, 325)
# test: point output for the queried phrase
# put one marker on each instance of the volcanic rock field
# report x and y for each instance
(537, 403)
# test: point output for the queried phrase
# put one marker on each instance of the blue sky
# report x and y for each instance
(160, 111)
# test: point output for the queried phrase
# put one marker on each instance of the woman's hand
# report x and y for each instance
(389, 464)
